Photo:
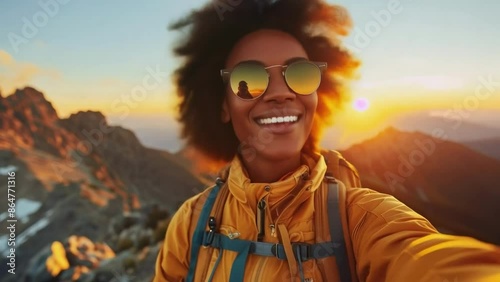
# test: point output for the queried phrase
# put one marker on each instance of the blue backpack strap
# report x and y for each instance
(303, 251)
(197, 239)
(336, 231)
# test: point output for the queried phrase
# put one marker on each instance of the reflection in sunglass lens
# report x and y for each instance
(249, 80)
(303, 77)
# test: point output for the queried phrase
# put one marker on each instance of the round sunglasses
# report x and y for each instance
(250, 79)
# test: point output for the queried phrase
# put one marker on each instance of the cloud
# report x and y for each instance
(5, 58)
(15, 74)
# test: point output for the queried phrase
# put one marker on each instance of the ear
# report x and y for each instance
(224, 115)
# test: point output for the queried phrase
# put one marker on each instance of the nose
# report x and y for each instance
(278, 90)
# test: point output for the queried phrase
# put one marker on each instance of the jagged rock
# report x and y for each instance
(33, 104)
(92, 128)
(28, 120)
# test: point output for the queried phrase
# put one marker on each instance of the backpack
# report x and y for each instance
(333, 244)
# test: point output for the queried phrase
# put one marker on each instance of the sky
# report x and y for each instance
(93, 55)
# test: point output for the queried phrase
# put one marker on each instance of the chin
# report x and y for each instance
(280, 152)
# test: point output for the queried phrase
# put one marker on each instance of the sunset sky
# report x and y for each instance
(91, 54)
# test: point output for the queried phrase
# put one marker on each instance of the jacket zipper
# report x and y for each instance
(261, 206)
(272, 226)
(261, 225)
(261, 219)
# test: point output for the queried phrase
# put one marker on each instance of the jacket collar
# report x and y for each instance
(311, 171)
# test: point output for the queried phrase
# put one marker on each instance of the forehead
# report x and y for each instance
(268, 46)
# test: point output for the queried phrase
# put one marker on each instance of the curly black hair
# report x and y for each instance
(209, 35)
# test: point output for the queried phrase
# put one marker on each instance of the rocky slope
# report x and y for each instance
(85, 178)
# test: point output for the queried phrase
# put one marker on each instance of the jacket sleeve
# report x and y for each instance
(172, 263)
(391, 242)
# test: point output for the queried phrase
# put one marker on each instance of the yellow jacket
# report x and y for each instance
(390, 242)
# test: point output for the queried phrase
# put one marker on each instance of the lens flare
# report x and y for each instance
(361, 104)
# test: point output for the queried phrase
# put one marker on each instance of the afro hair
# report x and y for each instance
(207, 38)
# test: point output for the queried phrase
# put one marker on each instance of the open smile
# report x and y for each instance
(277, 120)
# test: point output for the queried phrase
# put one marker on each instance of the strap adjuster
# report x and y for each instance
(302, 251)
(208, 237)
(330, 179)
(275, 250)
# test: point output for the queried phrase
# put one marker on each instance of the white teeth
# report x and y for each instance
(278, 119)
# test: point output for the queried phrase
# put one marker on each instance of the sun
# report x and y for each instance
(361, 104)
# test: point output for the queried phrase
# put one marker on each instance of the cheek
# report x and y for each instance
(314, 102)
(239, 112)
(311, 105)
(311, 108)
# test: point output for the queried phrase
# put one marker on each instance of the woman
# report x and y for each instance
(289, 56)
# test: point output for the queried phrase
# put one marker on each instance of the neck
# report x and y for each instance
(261, 170)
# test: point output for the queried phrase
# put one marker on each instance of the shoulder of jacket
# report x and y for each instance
(196, 201)
(334, 160)
(344, 163)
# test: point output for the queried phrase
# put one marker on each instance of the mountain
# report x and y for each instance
(489, 147)
(80, 176)
(148, 173)
(28, 120)
(456, 188)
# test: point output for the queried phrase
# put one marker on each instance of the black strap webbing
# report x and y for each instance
(336, 231)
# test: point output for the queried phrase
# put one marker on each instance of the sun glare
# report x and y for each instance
(361, 104)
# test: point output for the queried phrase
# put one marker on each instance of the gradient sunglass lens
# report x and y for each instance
(249, 80)
(303, 77)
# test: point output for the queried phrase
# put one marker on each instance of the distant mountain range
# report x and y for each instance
(81, 176)
(161, 131)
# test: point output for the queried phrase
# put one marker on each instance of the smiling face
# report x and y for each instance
(276, 125)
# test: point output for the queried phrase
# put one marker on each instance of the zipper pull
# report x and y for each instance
(210, 235)
(261, 217)
(273, 230)
(212, 224)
